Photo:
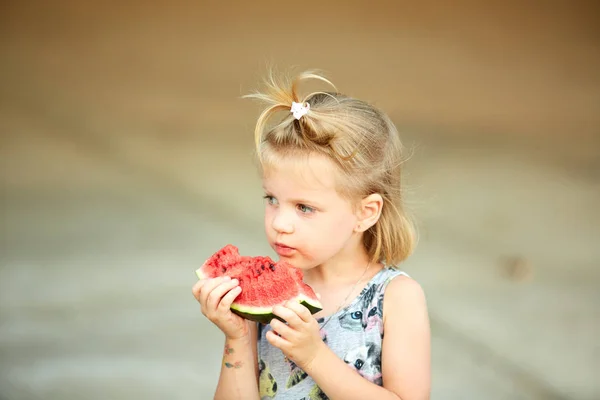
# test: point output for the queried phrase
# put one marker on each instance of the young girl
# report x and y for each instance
(331, 175)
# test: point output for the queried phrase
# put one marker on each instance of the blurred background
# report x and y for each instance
(126, 160)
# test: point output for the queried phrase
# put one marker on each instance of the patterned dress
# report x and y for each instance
(355, 335)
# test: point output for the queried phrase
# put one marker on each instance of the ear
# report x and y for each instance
(369, 211)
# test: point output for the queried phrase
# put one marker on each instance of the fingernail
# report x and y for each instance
(235, 281)
(227, 278)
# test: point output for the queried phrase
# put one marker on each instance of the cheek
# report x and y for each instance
(344, 224)
(334, 232)
(268, 217)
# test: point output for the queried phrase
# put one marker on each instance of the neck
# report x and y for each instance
(343, 269)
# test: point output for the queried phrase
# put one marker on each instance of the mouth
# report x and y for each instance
(284, 250)
(278, 244)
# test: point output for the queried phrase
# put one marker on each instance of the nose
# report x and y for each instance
(282, 222)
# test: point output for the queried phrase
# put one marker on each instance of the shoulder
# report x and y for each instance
(403, 295)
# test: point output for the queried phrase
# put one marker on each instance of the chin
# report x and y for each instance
(296, 262)
(290, 260)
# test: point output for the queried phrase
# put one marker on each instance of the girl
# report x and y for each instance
(331, 175)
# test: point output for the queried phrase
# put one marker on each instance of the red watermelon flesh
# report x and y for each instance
(226, 261)
(264, 283)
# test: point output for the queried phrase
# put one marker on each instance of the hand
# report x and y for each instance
(215, 297)
(300, 339)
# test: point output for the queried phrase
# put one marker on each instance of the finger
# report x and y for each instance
(282, 329)
(288, 315)
(300, 310)
(215, 296)
(225, 303)
(208, 286)
(277, 341)
(196, 288)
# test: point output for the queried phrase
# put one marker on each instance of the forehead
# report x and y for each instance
(301, 175)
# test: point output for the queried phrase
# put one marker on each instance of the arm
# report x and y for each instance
(405, 353)
(239, 369)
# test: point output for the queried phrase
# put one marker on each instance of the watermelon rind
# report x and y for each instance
(264, 315)
(200, 274)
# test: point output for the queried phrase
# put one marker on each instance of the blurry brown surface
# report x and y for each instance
(126, 158)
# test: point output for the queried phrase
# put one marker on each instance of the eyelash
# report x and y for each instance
(301, 207)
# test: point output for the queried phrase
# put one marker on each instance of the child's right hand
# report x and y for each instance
(215, 297)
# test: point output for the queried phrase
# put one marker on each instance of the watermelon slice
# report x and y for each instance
(264, 283)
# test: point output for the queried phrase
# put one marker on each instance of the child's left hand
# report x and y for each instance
(300, 339)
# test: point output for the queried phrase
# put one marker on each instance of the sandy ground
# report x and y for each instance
(126, 159)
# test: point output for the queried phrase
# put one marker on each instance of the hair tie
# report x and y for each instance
(299, 110)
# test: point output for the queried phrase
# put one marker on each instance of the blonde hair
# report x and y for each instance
(361, 141)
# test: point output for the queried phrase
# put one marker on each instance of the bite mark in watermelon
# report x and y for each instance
(264, 282)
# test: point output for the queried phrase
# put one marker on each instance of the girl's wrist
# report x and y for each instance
(244, 339)
(311, 365)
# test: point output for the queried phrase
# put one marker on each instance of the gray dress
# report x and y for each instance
(355, 335)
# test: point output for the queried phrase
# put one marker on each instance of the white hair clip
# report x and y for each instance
(299, 110)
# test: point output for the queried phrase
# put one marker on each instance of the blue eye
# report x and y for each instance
(270, 199)
(356, 315)
(305, 209)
